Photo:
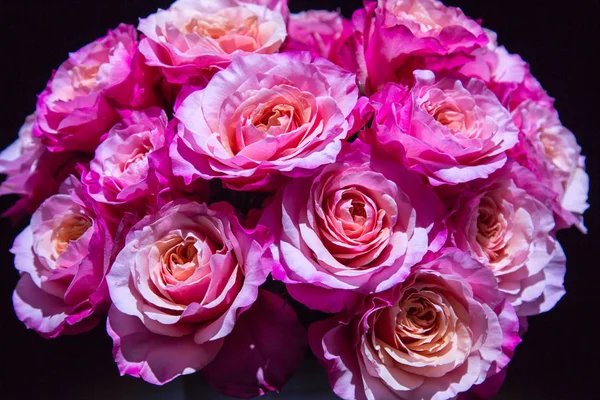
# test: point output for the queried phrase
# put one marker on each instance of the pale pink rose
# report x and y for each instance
(193, 36)
(354, 228)
(78, 105)
(505, 224)
(551, 151)
(443, 331)
(262, 117)
(178, 286)
(321, 32)
(395, 37)
(127, 163)
(63, 257)
(453, 131)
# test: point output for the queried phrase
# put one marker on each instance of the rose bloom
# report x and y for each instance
(77, 106)
(264, 116)
(354, 228)
(321, 32)
(453, 131)
(31, 171)
(551, 151)
(505, 74)
(178, 286)
(63, 256)
(194, 35)
(127, 163)
(504, 226)
(429, 34)
(440, 333)
(18, 160)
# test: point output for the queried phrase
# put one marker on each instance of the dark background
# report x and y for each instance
(560, 356)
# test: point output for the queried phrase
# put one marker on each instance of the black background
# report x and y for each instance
(560, 356)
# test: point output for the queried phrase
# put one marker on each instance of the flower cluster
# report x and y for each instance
(400, 174)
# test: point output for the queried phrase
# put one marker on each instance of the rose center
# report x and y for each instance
(448, 115)
(491, 227)
(358, 209)
(219, 26)
(71, 228)
(556, 152)
(137, 157)
(417, 315)
(180, 260)
(416, 13)
(84, 77)
(281, 115)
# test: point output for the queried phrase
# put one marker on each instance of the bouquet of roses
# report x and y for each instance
(396, 180)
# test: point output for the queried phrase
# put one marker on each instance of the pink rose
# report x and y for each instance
(453, 131)
(32, 171)
(444, 330)
(504, 223)
(354, 228)
(18, 160)
(195, 35)
(505, 74)
(396, 37)
(551, 151)
(321, 32)
(77, 106)
(63, 256)
(127, 165)
(281, 6)
(183, 278)
(264, 116)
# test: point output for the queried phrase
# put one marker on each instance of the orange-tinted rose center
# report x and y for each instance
(70, 229)
(491, 227)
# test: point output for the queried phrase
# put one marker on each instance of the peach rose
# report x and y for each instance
(264, 117)
(505, 224)
(453, 130)
(354, 228)
(63, 256)
(81, 100)
(551, 151)
(443, 331)
(181, 281)
(195, 35)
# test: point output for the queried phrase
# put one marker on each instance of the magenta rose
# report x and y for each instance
(354, 228)
(264, 116)
(396, 37)
(183, 278)
(127, 163)
(195, 35)
(321, 32)
(63, 257)
(505, 224)
(551, 151)
(443, 331)
(453, 131)
(78, 105)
